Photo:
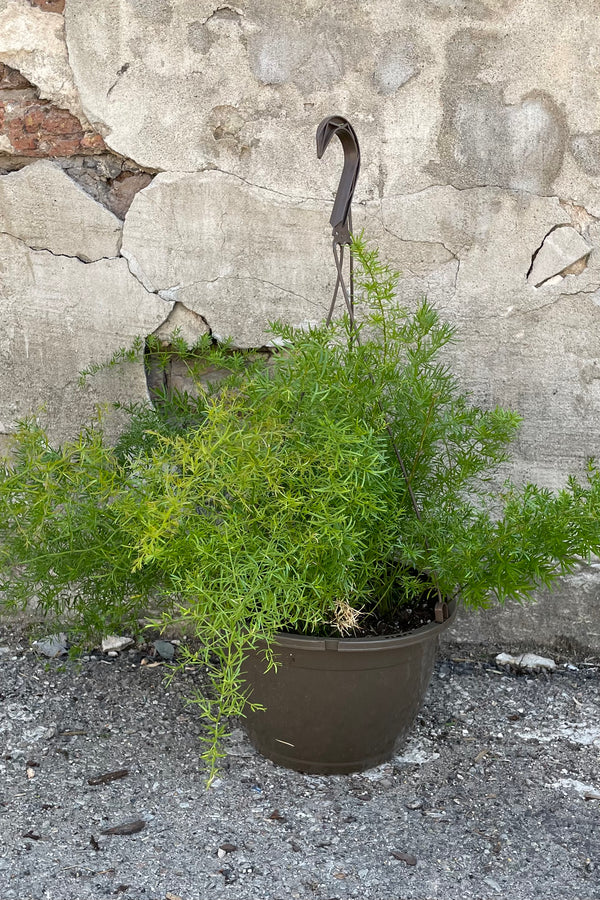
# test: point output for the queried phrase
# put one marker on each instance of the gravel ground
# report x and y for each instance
(493, 796)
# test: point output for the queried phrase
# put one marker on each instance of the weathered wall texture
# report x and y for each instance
(158, 160)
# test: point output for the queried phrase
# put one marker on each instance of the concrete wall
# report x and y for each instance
(158, 160)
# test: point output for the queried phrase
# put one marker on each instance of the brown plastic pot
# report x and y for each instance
(339, 705)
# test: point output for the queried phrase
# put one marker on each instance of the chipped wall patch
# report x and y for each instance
(562, 252)
(41, 206)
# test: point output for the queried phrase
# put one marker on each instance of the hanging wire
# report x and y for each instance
(341, 221)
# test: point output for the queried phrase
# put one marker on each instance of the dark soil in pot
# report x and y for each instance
(339, 705)
(399, 618)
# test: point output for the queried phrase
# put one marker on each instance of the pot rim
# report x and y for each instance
(359, 645)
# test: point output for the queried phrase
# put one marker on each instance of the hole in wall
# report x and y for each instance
(172, 367)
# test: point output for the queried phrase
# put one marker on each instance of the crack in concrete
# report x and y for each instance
(592, 289)
(531, 310)
(564, 271)
(456, 273)
(589, 289)
(139, 275)
(86, 262)
(437, 243)
(211, 167)
(480, 187)
(255, 278)
(535, 253)
(261, 187)
(81, 113)
(279, 287)
(224, 8)
(495, 187)
(124, 68)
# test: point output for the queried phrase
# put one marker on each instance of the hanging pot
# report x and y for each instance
(339, 705)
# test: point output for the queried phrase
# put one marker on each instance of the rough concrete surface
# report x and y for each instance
(41, 206)
(456, 95)
(495, 794)
(512, 334)
(61, 315)
(563, 620)
(211, 241)
(33, 42)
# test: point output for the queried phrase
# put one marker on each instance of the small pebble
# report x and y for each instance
(113, 642)
(52, 646)
(227, 847)
(527, 661)
(165, 649)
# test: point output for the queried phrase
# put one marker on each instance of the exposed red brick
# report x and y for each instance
(37, 128)
(56, 6)
(58, 145)
(32, 120)
(22, 144)
(59, 121)
(92, 142)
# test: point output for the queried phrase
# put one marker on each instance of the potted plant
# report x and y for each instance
(339, 492)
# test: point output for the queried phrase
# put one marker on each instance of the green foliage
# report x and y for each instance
(349, 468)
(120, 357)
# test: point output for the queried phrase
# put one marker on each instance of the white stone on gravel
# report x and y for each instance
(580, 734)
(18, 712)
(52, 646)
(417, 754)
(35, 734)
(527, 661)
(114, 642)
(377, 774)
(587, 791)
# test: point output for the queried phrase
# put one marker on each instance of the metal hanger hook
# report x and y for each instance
(340, 216)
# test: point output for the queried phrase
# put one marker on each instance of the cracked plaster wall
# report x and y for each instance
(157, 163)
